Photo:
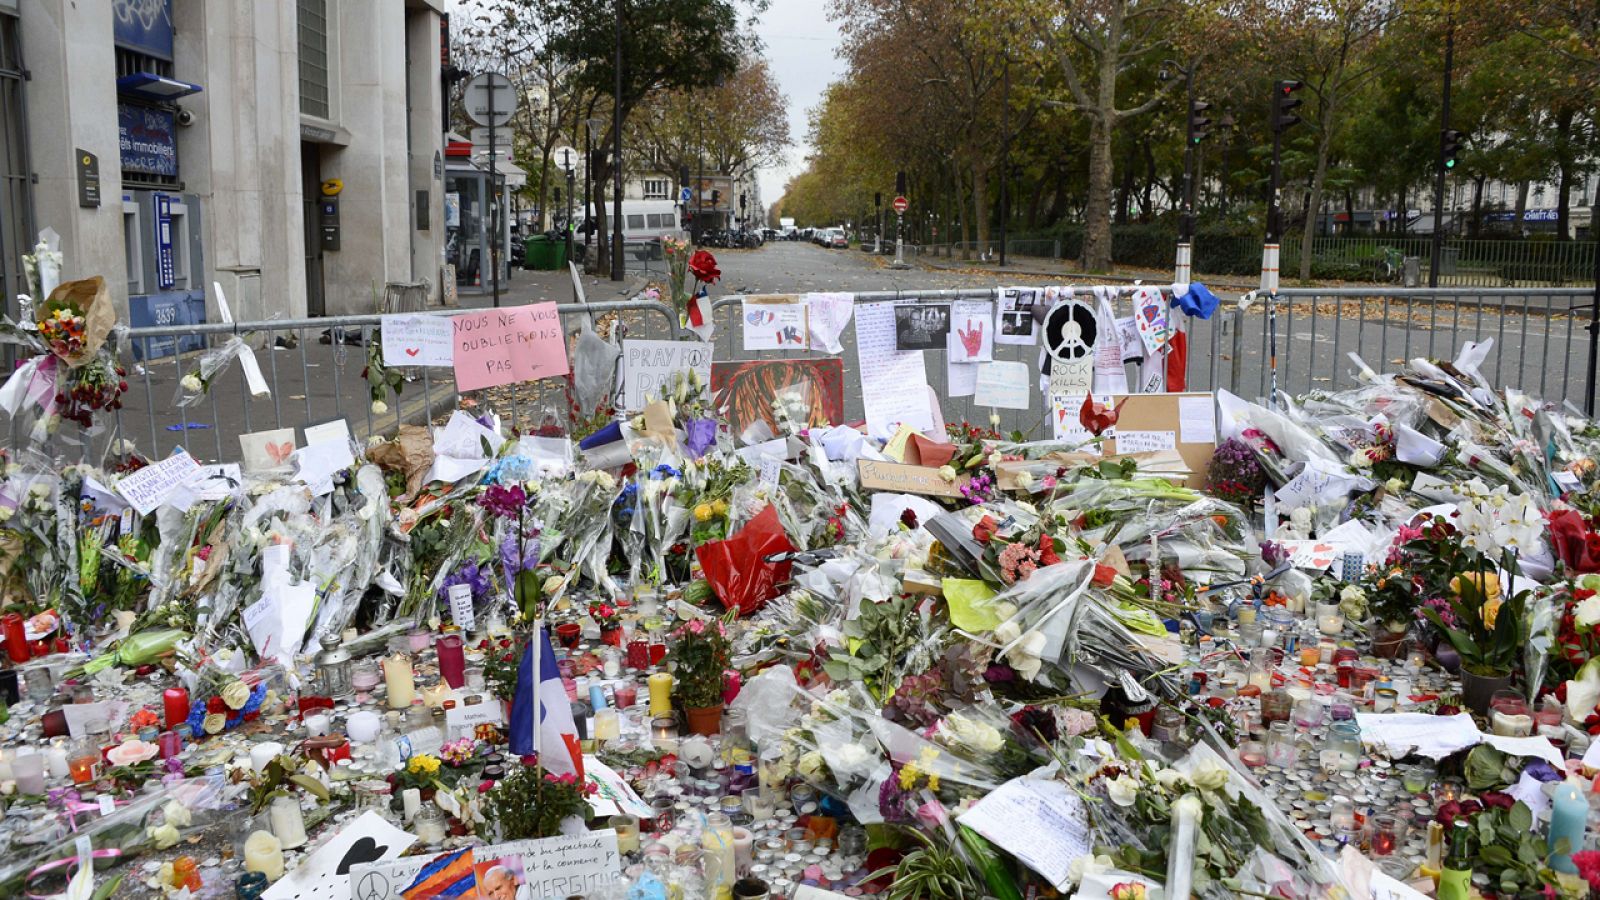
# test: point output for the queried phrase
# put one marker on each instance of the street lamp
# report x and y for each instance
(590, 126)
(617, 273)
(1194, 132)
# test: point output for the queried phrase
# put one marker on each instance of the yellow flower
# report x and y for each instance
(1489, 585)
(423, 764)
(1491, 611)
(720, 507)
(908, 777)
(236, 694)
(702, 512)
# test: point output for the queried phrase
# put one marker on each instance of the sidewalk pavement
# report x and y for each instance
(313, 380)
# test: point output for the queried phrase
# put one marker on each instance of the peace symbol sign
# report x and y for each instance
(373, 886)
(1070, 330)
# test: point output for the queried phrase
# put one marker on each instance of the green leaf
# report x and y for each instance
(1520, 818)
(1495, 855)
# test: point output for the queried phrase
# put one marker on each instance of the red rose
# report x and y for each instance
(704, 267)
(1498, 800)
(1104, 575)
(984, 530)
(215, 705)
(1047, 551)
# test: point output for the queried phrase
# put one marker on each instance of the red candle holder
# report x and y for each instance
(16, 635)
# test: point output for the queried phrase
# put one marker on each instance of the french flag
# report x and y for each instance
(557, 734)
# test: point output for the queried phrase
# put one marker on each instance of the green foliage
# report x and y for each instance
(698, 659)
(528, 804)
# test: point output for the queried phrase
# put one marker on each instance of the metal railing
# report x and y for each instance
(314, 370)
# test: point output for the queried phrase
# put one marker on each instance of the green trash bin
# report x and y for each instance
(544, 254)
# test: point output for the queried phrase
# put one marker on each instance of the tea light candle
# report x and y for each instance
(400, 680)
(627, 829)
(317, 724)
(660, 693)
(664, 734)
(263, 853)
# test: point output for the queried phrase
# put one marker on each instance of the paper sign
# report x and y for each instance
(325, 875)
(577, 865)
(464, 718)
(217, 482)
(147, 488)
(461, 606)
(79, 715)
(826, 317)
(1314, 486)
(611, 790)
(506, 346)
(1197, 420)
(336, 430)
(1041, 823)
(1128, 337)
(1432, 736)
(1066, 418)
(1314, 555)
(1003, 385)
(1016, 325)
(894, 383)
(277, 622)
(888, 508)
(316, 464)
(775, 323)
(770, 470)
(888, 476)
(1150, 319)
(1416, 448)
(1145, 441)
(247, 356)
(971, 337)
(397, 879)
(961, 379)
(648, 367)
(417, 341)
(1533, 745)
(260, 451)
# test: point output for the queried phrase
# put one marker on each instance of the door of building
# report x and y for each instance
(310, 193)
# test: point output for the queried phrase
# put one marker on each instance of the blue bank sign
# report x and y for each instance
(144, 26)
(148, 139)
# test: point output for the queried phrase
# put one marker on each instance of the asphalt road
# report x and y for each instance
(1541, 352)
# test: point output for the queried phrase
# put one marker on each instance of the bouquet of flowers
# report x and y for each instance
(73, 373)
(693, 312)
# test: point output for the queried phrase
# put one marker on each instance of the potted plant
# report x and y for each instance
(1392, 598)
(1488, 630)
(609, 618)
(531, 803)
(700, 655)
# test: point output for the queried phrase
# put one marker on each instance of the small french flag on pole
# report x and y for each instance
(551, 735)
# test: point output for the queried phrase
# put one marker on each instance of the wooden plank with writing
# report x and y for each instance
(904, 479)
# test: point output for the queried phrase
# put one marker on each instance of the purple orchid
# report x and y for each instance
(700, 435)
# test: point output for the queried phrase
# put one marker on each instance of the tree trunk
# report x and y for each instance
(1313, 204)
(544, 192)
(1149, 181)
(966, 248)
(1349, 211)
(1477, 205)
(1522, 208)
(980, 208)
(1058, 197)
(1097, 212)
(1565, 169)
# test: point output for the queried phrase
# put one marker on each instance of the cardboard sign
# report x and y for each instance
(147, 488)
(648, 366)
(904, 479)
(1151, 418)
(326, 874)
(417, 341)
(505, 346)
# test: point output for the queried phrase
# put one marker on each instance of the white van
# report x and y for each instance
(644, 224)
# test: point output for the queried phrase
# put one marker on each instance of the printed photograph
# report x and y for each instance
(921, 326)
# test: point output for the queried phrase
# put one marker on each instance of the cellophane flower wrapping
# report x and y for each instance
(199, 374)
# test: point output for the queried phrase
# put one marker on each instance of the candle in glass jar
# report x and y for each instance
(263, 853)
(606, 726)
(288, 823)
(56, 759)
(434, 696)
(15, 633)
(627, 829)
(744, 850)
(175, 706)
(452, 660)
(627, 694)
(401, 682)
(1510, 724)
(660, 693)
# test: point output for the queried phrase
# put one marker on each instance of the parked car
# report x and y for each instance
(838, 240)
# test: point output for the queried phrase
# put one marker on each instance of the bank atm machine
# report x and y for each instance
(166, 268)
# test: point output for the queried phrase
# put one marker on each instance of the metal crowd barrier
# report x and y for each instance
(311, 382)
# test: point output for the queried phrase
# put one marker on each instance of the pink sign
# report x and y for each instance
(504, 346)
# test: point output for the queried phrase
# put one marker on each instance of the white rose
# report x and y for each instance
(1352, 594)
(1024, 480)
(1394, 485)
(948, 473)
(1025, 656)
(379, 407)
(1587, 612)
(809, 765)
(191, 382)
(1210, 776)
(1087, 865)
(1172, 779)
(176, 814)
(6, 513)
(1007, 631)
(1122, 790)
(165, 835)
(1360, 460)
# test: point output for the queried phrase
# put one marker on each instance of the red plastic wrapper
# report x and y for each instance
(1575, 543)
(734, 567)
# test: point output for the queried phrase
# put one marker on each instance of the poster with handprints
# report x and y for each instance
(775, 323)
(971, 338)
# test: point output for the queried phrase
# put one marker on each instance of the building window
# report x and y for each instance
(657, 189)
(314, 77)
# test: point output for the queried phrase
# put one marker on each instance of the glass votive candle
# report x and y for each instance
(1383, 700)
(1330, 620)
(1253, 753)
(1308, 713)
(627, 693)
(170, 743)
(627, 829)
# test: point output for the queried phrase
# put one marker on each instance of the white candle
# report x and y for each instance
(397, 676)
(411, 802)
(605, 725)
(317, 724)
(263, 853)
(263, 753)
(55, 760)
(288, 824)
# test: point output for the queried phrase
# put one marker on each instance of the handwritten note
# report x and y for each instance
(1041, 823)
(1066, 418)
(461, 606)
(1197, 420)
(1004, 385)
(417, 341)
(775, 323)
(560, 866)
(1145, 441)
(148, 487)
(961, 379)
(826, 317)
(505, 346)
(649, 366)
(894, 383)
(888, 476)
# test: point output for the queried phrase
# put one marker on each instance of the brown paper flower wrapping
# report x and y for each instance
(89, 297)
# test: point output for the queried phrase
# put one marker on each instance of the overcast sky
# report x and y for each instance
(800, 44)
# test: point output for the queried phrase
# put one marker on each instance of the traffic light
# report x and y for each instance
(877, 198)
(1199, 122)
(1284, 102)
(1451, 148)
